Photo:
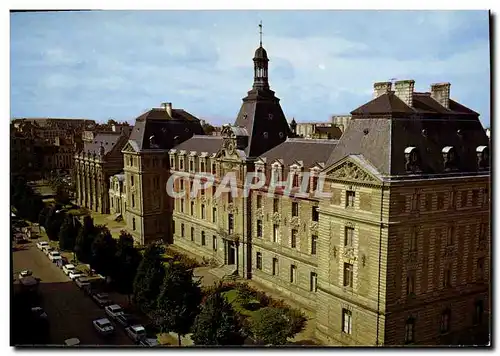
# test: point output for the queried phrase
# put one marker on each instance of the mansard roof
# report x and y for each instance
(108, 140)
(201, 143)
(156, 129)
(309, 151)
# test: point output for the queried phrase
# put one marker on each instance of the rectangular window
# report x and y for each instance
(182, 184)
(203, 242)
(348, 236)
(258, 261)
(275, 232)
(131, 181)
(410, 283)
(131, 161)
(182, 230)
(445, 321)
(348, 275)
(229, 198)
(464, 198)
(192, 234)
(214, 168)
(482, 231)
(293, 242)
(314, 184)
(133, 200)
(259, 228)
(192, 208)
(447, 277)
(191, 165)
(346, 321)
(214, 242)
(413, 240)
(313, 285)
(480, 269)
(350, 198)
(230, 222)
(214, 190)
(440, 201)
(315, 214)
(203, 211)
(275, 267)
(202, 166)
(214, 214)
(410, 331)
(295, 180)
(295, 209)
(478, 313)
(172, 162)
(314, 242)
(182, 205)
(181, 164)
(293, 274)
(475, 197)
(450, 236)
(275, 205)
(259, 201)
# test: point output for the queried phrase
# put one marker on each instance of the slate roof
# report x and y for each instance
(383, 140)
(156, 129)
(309, 151)
(333, 131)
(201, 143)
(108, 140)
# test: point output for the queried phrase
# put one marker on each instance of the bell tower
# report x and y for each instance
(260, 65)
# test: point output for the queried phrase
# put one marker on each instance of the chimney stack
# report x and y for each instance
(441, 93)
(381, 88)
(404, 91)
(168, 108)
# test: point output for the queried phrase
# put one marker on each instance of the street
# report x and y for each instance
(70, 311)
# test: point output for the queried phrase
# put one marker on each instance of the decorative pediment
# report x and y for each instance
(130, 147)
(351, 171)
(350, 255)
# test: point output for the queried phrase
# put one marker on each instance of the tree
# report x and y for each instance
(83, 244)
(127, 260)
(207, 128)
(217, 323)
(53, 222)
(273, 326)
(67, 233)
(103, 251)
(179, 300)
(148, 279)
(43, 216)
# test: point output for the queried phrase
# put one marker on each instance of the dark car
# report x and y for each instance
(126, 320)
(102, 299)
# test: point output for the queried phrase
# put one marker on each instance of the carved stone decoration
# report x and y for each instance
(313, 226)
(449, 252)
(349, 254)
(363, 260)
(259, 213)
(351, 171)
(412, 258)
(231, 208)
(276, 218)
(334, 250)
(203, 200)
(294, 222)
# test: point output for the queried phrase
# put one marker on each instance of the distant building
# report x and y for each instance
(322, 130)
(341, 121)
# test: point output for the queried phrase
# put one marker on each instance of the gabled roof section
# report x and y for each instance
(201, 143)
(354, 168)
(387, 103)
(107, 140)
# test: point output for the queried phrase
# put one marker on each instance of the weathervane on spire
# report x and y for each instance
(260, 32)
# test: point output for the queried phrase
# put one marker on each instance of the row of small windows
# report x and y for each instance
(203, 165)
(202, 210)
(313, 286)
(203, 236)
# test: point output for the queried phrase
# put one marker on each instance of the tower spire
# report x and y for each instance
(260, 32)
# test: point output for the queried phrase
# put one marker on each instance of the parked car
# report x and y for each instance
(41, 244)
(102, 299)
(136, 332)
(39, 312)
(81, 282)
(72, 342)
(25, 273)
(149, 341)
(47, 250)
(126, 320)
(75, 274)
(103, 326)
(54, 256)
(113, 310)
(68, 268)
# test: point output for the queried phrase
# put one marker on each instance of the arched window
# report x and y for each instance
(449, 158)
(483, 157)
(412, 159)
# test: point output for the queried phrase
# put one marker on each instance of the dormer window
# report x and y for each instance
(483, 157)
(295, 179)
(449, 158)
(412, 159)
(202, 166)
(191, 165)
(181, 164)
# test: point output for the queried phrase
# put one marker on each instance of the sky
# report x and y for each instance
(118, 64)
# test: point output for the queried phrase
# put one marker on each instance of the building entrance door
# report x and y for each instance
(231, 253)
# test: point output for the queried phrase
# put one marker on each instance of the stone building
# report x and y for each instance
(94, 165)
(341, 121)
(146, 167)
(117, 195)
(323, 130)
(399, 254)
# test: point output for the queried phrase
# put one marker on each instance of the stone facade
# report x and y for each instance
(117, 195)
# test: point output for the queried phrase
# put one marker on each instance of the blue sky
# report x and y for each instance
(118, 64)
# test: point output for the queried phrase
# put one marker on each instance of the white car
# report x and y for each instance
(68, 268)
(75, 274)
(41, 244)
(113, 310)
(54, 256)
(47, 249)
(103, 326)
(136, 332)
(81, 282)
(25, 273)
